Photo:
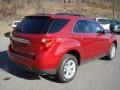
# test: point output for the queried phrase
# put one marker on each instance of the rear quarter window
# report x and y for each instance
(57, 25)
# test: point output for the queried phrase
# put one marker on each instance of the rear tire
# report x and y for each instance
(112, 52)
(67, 69)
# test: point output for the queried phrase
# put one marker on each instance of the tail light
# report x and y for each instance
(46, 43)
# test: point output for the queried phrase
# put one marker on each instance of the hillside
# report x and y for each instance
(11, 10)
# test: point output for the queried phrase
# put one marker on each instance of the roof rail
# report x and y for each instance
(69, 14)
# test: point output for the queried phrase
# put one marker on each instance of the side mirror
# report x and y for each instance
(102, 32)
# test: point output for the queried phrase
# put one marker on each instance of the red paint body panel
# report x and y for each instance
(87, 45)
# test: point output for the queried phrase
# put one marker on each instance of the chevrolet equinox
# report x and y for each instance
(57, 44)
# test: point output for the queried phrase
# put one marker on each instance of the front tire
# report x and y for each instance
(67, 69)
(112, 52)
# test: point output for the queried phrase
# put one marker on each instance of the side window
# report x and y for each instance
(82, 26)
(96, 27)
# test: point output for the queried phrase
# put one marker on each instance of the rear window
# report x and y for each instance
(41, 25)
(103, 21)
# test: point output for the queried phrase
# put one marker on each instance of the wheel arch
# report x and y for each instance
(115, 42)
(76, 54)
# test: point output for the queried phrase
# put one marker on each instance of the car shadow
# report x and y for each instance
(104, 58)
(11, 68)
(116, 33)
(8, 66)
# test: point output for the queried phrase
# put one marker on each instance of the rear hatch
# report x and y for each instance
(30, 36)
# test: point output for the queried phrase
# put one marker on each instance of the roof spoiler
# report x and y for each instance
(37, 17)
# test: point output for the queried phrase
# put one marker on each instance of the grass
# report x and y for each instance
(4, 27)
(10, 12)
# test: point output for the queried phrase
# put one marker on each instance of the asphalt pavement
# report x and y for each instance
(95, 75)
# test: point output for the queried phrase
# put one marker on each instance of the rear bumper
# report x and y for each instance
(117, 31)
(36, 71)
(38, 66)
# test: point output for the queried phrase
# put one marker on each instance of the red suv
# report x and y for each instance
(58, 44)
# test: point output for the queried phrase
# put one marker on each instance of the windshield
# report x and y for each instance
(41, 25)
(118, 22)
(103, 21)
